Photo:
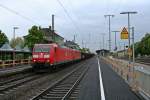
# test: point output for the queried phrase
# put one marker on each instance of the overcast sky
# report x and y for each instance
(88, 18)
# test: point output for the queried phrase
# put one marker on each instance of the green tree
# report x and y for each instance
(137, 50)
(17, 41)
(143, 47)
(3, 38)
(34, 36)
(85, 50)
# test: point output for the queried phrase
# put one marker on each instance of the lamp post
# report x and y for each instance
(115, 39)
(103, 36)
(132, 80)
(128, 13)
(109, 16)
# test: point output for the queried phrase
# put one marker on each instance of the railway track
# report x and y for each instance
(145, 61)
(142, 62)
(15, 78)
(8, 76)
(14, 87)
(13, 84)
(65, 88)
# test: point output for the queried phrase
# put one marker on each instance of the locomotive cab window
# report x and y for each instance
(41, 49)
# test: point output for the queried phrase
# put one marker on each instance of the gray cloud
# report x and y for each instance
(88, 15)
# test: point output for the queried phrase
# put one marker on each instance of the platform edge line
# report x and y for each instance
(101, 82)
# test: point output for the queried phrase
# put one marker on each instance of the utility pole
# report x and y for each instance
(107, 44)
(128, 13)
(119, 46)
(103, 35)
(85, 44)
(115, 40)
(53, 28)
(109, 16)
(53, 22)
(89, 40)
(133, 55)
(74, 38)
(82, 44)
(14, 32)
(133, 51)
(124, 49)
(99, 45)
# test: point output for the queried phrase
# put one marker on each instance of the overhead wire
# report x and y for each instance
(68, 15)
(71, 19)
(73, 12)
(18, 14)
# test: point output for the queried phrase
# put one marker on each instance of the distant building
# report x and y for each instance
(72, 45)
(51, 36)
(122, 53)
(102, 52)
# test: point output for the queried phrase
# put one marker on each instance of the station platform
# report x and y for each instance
(15, 69)
(113, 86)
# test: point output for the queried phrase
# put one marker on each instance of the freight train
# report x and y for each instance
(49, 56)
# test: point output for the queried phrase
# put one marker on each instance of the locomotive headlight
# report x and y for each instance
(46, 56)
(35, 56)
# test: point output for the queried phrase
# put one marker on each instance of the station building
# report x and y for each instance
(102, 52)
(51, 36)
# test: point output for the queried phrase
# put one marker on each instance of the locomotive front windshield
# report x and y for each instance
(41, 49)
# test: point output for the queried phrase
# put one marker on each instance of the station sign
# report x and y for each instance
(124, 33)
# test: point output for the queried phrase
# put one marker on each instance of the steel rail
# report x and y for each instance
(17, 83)
(74, 85)
(37, 97)
(15, 79)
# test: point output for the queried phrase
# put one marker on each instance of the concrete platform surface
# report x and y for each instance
(115, 87)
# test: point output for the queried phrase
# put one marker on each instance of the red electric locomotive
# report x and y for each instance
(49, 55)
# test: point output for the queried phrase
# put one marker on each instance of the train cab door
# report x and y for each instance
(55, 55)
(55, 58)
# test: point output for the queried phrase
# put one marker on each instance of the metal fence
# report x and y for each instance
(10, 63)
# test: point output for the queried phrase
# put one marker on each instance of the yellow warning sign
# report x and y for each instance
(124, 33)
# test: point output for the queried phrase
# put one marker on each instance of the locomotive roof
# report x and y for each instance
(56, 45)
(48, 44)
